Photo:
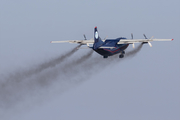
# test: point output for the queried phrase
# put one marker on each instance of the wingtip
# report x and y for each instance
(172, 39)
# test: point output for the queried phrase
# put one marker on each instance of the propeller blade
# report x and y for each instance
(133, 45)
(145, 36)
(150, 44)
(131, 36)
(152, 37)
(84, 37)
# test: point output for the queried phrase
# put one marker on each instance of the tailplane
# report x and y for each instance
(97, 40)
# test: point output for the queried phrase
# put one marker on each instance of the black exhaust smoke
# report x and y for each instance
(13, 90)
(20, 75)
(18, 86)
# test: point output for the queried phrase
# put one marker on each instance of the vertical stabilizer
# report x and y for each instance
(97, 40)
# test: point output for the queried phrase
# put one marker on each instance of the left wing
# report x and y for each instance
(132, 41)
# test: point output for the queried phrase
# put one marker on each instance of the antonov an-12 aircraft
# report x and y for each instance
(109, 47)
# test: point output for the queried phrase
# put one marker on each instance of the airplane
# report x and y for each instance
(110, 47)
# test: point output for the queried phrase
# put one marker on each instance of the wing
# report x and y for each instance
(132, 41)
(82, 42)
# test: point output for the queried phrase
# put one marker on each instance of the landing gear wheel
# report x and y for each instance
(105, 56)
(121, 56)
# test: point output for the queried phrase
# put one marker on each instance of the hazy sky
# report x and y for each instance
(145, 86)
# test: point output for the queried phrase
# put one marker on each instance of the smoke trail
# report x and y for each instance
(11, 92)
(132, 53)
(20, 75)
(77, 71)
(14, 84)
(54, 62)
(99, 62)
(65, 71)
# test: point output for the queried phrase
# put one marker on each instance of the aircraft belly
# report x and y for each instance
(110, 52)
(103, 52)
(123, 47)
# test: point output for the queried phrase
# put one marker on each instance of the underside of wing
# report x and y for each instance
(83, 42)
(132, 41)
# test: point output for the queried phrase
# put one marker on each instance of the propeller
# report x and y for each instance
(84, 37)
(150, 44)
(148, 41)
(145, 36)
(132, 38)
(133, 45)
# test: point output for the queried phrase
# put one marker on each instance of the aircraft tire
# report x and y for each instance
(121, 56)
(105, 56)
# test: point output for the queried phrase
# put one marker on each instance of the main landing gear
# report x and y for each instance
(105, 56)
(122, 54)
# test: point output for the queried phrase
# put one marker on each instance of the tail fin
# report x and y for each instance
(97, 40)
